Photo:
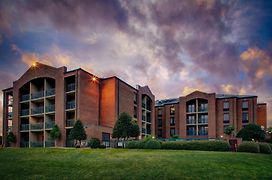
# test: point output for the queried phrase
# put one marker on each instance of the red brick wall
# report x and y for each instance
(262, 115)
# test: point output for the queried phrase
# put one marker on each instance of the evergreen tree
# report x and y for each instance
(10, 138)
(78, 133)
(55, 133)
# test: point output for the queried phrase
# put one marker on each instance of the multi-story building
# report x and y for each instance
(205, 115)
(45, 95)
(262, 115)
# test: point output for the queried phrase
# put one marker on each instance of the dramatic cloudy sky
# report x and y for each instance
(173, 46)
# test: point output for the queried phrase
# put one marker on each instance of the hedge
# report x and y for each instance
(265, 148)
(152, 144)
(135, 145)
(250, 147)
(94, 143)
(197, 145)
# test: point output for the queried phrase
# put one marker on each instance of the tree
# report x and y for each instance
(269, 130)
(229, 130)
(251, 131)
(125, 128)
(55, 133)
(11, 138)
(78, 133)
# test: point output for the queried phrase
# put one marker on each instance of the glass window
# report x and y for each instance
(191, 120)
(191, 108)
(203, 107)
(159, 132)
(159, 122)
(191, 131)
(135, 98)
(172, 131)
(244, 117)
(245, 105)
(172, 121)
(226, 105)
(172, 110)
(159, 112)
(203, 130)
(226, 118)
(106, 139)
(203, 118)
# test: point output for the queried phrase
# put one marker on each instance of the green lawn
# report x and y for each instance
(131, 164)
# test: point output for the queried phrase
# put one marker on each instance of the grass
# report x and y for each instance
(53, 163)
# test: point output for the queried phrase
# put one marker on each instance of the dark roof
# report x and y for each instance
(226, 96)
(167, 101)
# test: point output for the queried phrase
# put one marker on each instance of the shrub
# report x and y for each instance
(270, 145)
(251, 131)
(94, 143)
(251, 147)
(265, 148)
(135, 145)
(102, 146)
(197, 145)
(152, 144)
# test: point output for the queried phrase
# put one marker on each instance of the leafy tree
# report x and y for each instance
(269, 130)
(78, 133)
(11, 138)
(125, 128)
(55, 133)
(229, 130)
(251, 131)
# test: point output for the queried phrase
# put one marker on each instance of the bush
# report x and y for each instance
(197, 145)
(102, 146)
(152, 144)
(250, 147)
(251, 131)
(265, 148)
(135, 144)
(270, 145)
(94, 143)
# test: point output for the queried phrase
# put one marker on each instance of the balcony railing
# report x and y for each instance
(70, 122)
(10, 115)
(191, 133)
(148, 131)
(25, 97)
(36, 144)
(143, 130)
(49, 143)
(50, 108)
(24, 143)
(24, 127)
(50, 92)
(24, 112)
(70, 105)
(191, 121)
(49, 125)
(37, 110)
(37, 95)
(70, 87)
(203, 121)
(143, 118)
(148, 119)
(37, 126)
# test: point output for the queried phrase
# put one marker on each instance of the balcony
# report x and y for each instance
(37, 110)
(49, 143)
(70, 105)
(37, 126)
(148, 131)
(143, 105)
(143, 118)
(70, 122)
(24, 127)
(10, 115)
(36, 144)
(148, 119)
(203, 121)
(143, 130)
(24, 112)
(37, 95)
(191, 121)
(50, 92)
(10, 102)
(70, 87)
(49, 125)
(50, 108)
(25, 97)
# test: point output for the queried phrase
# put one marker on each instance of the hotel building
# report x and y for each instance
(45, 95)
(205, 115)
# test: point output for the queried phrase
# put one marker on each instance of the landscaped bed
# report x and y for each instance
(54, 163)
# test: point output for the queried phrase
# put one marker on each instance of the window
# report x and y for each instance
(203, 119)
(191, 131)
(172, 131)
(245, 105)
(203, 107)
(159, 112)
(106, 139)
(226, 106)
(226, 118)
(203, 131)
(191, 108)
(172, 121)
(159, 132)
(172, 110)
(159, 122)
(135, 98)
(245, 117)
(135, 112)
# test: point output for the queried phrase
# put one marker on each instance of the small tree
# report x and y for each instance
(134, 129)
(11, 138)
(251, 131)
(124, 128)
(229, 130)
(55, 133)
(269, 130)
(78, 133)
